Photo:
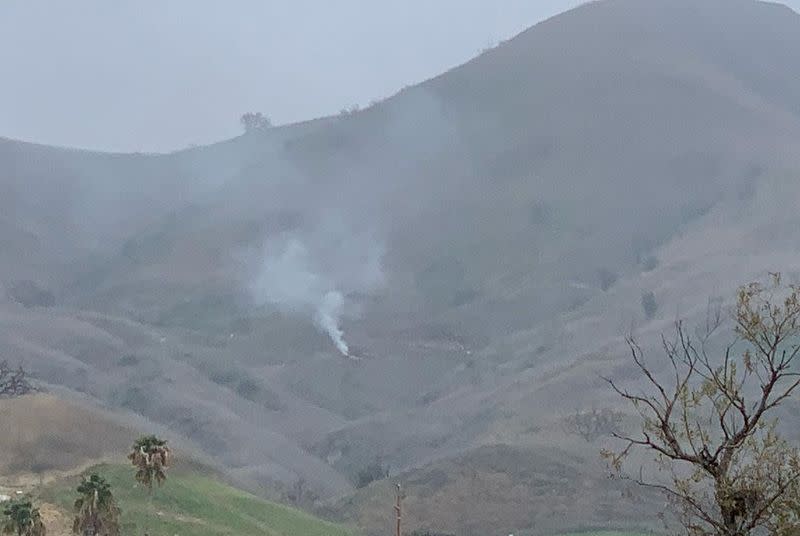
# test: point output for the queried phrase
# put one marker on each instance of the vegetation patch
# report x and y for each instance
(191, 504)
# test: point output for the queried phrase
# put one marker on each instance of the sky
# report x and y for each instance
(159, 75)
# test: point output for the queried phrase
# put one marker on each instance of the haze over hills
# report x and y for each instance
(482, 239)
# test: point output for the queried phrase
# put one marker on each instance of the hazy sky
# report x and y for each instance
(156, 75)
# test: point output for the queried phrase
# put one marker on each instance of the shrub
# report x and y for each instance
(649, 305)
(129, 360)
(371, 473)
(14, 383)
(649, 263)
(300, 495)
(248, 389)
(607, 278)
(223, 376)
(255, 121)
(352, 110)
(593, 424)
(30, 294)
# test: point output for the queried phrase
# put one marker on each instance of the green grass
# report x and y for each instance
(190, 504)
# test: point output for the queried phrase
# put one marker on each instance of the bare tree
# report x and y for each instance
(711, 427)
(14, 383)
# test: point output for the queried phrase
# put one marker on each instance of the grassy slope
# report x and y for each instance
(191, 504)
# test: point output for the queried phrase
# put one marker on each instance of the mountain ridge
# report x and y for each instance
(522, 203)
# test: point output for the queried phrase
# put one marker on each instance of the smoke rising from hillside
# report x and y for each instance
(312, 276)
(327, 316)
(334, 248)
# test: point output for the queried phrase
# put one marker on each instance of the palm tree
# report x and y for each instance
(22, 519)
(150, 455)
(96, 511)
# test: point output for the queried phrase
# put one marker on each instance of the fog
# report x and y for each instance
(478, 244)
(158, 76)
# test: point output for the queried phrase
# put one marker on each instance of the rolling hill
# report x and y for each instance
(47, 436)
(501, 488)
(48, 442)
(194, 504)
(490, 231)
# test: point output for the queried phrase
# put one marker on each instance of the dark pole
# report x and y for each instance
(398, 510)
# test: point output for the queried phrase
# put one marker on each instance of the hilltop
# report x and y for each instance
(520, 205)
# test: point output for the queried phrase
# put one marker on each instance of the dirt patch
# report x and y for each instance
(58, 522)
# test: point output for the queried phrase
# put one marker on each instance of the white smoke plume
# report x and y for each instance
(327, 316)
(314, 282)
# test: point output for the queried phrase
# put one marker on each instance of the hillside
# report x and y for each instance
(47, 436)
(193, 504)
(52, 441)
(55, 435)
(502, 488)
(489, 233)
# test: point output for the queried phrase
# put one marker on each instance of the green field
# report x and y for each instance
(193, 505)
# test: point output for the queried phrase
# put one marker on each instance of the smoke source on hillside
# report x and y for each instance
(313, 275)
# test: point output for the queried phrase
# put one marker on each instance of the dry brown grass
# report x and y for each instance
(552, 179)
(44, 436)
(57, 521)
(502, 488)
